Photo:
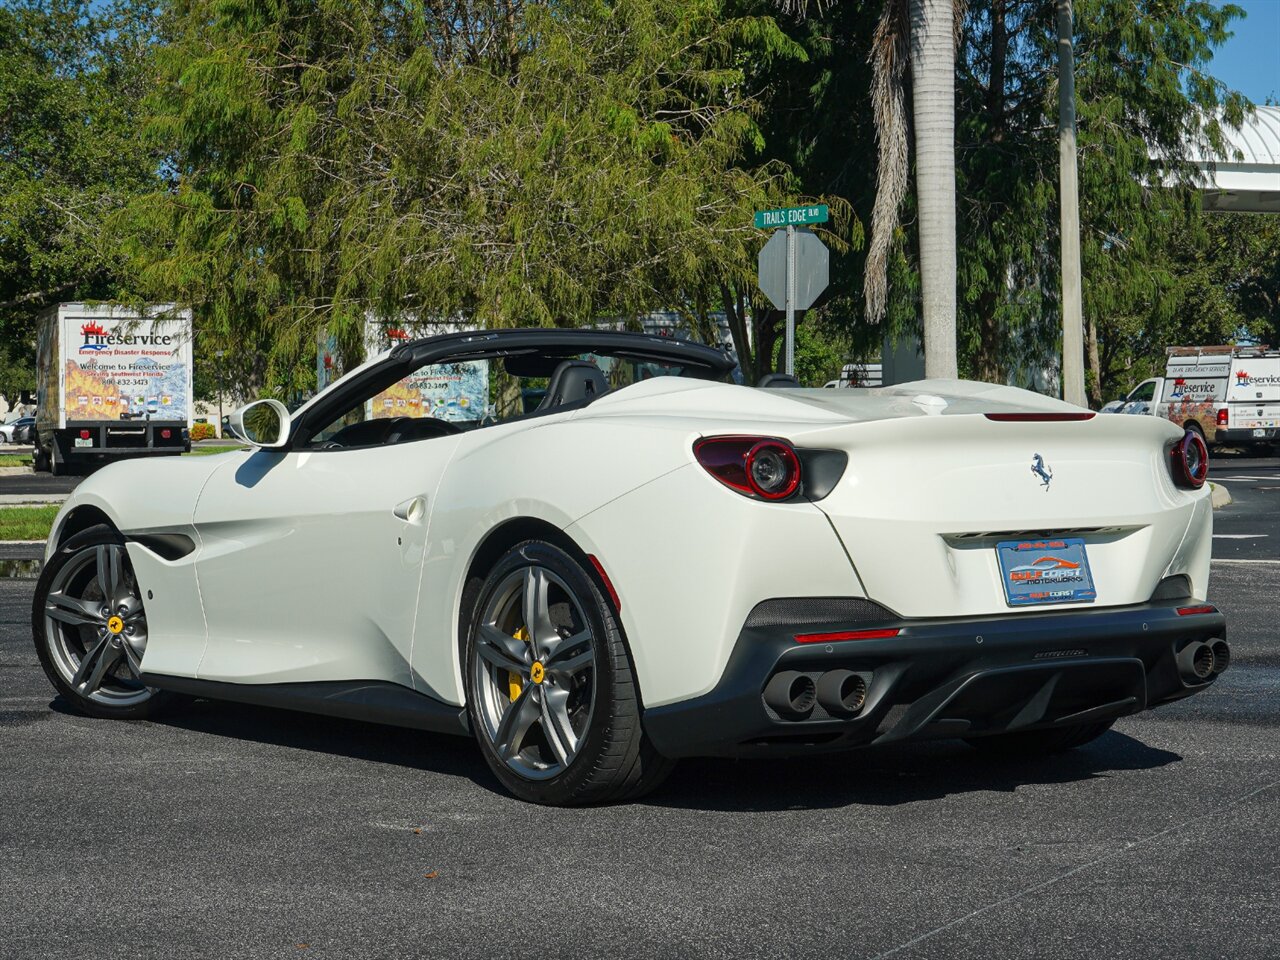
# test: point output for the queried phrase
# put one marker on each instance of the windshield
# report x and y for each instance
(436, 399)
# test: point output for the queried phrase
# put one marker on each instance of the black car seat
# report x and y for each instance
(574, 381)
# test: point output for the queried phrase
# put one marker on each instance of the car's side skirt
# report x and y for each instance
(374, 701)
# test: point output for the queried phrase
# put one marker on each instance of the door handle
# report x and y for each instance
(413, 510)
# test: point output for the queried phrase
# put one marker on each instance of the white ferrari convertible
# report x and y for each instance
(596, 554)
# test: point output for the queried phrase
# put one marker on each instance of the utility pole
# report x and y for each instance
(1069, 210)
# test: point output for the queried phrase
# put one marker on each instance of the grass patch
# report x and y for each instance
(210, 451)
(15, 459)
(27, 523)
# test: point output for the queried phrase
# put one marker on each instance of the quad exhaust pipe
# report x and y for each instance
(1199, 661)
(842, 692)
(791, 694)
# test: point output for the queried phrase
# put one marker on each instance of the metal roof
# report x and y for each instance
(1250, 182)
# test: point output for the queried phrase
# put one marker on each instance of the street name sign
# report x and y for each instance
(792, 216)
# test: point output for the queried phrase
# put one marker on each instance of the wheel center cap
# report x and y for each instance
(537, 672)
(115, 624)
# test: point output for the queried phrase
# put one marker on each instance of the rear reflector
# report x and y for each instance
(846, 635)
(1196, 611)
(608, 584)
(1038, 417)
(166, 434)
(84, 434)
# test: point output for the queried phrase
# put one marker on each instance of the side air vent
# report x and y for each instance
(168, 546)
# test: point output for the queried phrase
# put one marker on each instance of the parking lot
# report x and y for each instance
(227, 830)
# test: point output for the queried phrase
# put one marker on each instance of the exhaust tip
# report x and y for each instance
(1221, 655)
(1195, 661)
(791, 695)
(842, 693)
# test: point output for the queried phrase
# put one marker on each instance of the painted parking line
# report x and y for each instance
(1241, 479)
(1218, 560)
(1240, 536)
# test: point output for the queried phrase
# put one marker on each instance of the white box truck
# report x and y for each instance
(111, 382)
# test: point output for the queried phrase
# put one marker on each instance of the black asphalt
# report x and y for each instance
(1250, 526)
(231, 831)
(234, 831)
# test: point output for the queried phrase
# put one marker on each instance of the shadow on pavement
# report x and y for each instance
(878, 777)
(890, 776)
(376, 743)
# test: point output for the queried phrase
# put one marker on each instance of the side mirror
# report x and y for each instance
(263, 423)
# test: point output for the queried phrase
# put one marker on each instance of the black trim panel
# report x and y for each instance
(966, 676)
(374, 701)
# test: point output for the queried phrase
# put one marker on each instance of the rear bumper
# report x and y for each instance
(1246, 436)
(939, 678)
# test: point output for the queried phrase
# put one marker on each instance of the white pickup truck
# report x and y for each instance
(1230, 394)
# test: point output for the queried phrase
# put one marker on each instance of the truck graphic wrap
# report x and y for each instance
(126, 369)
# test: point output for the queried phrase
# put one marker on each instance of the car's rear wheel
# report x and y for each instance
(550, 690)
(1034, 743)
(90, 628)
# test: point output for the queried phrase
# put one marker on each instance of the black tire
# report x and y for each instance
(39, 461)
(1198, 431)
(68, 552)
(1038, 743)
(57, 466)
(615, 761)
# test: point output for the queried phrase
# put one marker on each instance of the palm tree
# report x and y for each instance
(923, 34)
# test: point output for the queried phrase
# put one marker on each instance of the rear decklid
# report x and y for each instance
(925, 501)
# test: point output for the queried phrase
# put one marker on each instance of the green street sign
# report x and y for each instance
(792, 216)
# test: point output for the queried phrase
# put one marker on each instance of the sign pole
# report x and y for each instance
(790, 355)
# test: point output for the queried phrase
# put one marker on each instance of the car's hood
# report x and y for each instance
(671, 396)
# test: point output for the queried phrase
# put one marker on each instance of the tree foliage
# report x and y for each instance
(72, 76)
(511, 162)
(1144, 97)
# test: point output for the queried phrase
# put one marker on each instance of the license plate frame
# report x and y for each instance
(84, 441)
(1045, 572)
(1259, 432)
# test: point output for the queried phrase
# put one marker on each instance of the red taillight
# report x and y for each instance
(883, 634)
(1222, 417)
(1189, 461)
(1196, 611)
(84, 434)
(761, 467)
(166, 434)
(1038, 417)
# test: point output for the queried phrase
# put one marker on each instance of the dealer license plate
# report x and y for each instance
(1045, 571)
(84, 441)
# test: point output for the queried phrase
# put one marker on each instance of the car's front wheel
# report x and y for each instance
(550, 690)
(90, 628)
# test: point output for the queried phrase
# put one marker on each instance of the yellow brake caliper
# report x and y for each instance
(514, 683)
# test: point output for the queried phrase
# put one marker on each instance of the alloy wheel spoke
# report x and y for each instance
(93, 668)
(72, 610)
(133, 656)
(516, 721)
(569, 667)
(556, 725)
(537, 609)
(555, 654)
(110, 574)
(504, 652)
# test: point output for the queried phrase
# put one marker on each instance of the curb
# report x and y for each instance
(1220, 497)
